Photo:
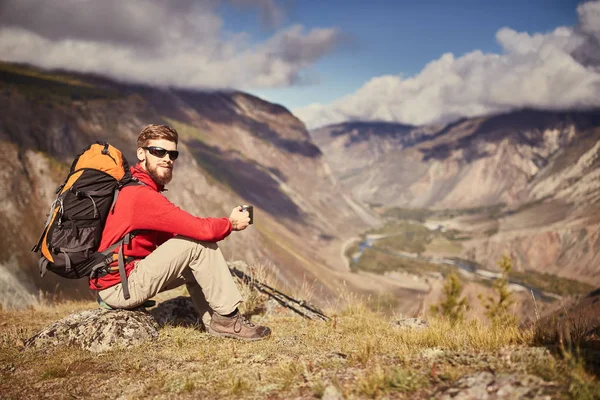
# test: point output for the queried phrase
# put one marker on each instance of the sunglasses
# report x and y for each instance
(160, 152)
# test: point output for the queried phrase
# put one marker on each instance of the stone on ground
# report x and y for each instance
(410, 323)
(486, 385)
(98, 330)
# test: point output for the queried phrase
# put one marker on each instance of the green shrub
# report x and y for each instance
(452, 306)
(497, 305)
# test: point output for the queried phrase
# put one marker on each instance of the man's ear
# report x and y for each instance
(140, 154)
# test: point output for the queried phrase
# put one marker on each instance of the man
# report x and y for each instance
(173, 247)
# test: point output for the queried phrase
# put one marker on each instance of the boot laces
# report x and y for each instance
(240, 321)
(246, 322)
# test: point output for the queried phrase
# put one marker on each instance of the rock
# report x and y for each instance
(410, 323)
(332, 393)
(179, 311)
(98, 330)
(485, 385)
(433, 352)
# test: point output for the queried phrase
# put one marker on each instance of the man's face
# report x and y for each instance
(159, 169)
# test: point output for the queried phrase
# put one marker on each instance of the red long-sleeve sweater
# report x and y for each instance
(143, 207)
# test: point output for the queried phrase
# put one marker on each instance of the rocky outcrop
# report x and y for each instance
(486, 385)
(98, 330)
(235, 148)
(470, 163)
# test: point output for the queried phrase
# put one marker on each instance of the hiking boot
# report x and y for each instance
(237, 327)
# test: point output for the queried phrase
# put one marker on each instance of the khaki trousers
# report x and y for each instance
(180, 260)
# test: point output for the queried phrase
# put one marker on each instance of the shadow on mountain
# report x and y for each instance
(522, 127)
(220, 107)
(246, 178)
(360, 131)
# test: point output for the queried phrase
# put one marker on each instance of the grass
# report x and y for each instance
(410, 237)
(186, 131)
(444, 246)
(358, 352)
(551, 283)
(373, 260)
(422, 214)
(50, 87)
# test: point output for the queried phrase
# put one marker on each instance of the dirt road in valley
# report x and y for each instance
(343, 249)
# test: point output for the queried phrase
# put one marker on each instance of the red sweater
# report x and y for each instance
(143, 207)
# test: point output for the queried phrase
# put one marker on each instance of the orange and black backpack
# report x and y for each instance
(73, 230)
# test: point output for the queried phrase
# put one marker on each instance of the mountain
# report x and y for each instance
(235, 149)
(537, 169)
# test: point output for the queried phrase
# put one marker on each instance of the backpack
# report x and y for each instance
(73, 230)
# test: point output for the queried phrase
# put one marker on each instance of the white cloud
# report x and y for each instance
(179, 43)
(558, 70)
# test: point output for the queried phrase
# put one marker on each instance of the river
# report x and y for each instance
(456, 262)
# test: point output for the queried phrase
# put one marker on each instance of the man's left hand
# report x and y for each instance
(239, 219)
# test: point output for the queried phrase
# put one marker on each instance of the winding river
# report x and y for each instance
(453, 261)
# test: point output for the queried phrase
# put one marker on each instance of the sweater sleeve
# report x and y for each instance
(155, 212)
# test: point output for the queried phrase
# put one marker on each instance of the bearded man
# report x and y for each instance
(171, 247)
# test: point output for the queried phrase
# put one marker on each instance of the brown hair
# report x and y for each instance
(153, 132)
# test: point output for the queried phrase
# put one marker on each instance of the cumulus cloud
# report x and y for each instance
(272, 14)
(557, 70)
(176, 43)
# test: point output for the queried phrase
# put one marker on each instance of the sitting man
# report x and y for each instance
(172, 246)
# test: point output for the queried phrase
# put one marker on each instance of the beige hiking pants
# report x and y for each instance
(200, 265)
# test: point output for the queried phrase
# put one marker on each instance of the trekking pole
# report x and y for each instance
(300, 307)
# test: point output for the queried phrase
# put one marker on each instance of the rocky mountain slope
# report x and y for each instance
(235, 149)
(539, 169)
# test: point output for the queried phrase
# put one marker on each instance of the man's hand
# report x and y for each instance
(239, 219)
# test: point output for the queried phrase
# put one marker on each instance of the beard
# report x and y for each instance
(161, 176)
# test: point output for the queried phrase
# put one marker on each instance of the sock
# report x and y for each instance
(230, 314)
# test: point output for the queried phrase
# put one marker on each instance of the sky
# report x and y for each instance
(414, 62)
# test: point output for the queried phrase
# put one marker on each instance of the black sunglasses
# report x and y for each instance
(160, 152)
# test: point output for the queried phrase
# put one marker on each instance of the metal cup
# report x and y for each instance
(250, 209)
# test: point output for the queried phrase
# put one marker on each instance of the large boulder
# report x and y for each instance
(98, 330)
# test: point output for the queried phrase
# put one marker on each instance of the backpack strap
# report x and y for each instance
(121, 260)
(122, 184)
(67, 261)
(43, 264)
(125, 241)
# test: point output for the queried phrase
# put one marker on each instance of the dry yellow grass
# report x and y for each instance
(358, 351)
(441, 246)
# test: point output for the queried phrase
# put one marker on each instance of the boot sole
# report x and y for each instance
(233, 336)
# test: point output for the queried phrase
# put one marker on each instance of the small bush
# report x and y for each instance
(452, 306)
(497, 308)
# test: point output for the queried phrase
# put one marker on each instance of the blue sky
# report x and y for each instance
(415, 62)
(399, 37)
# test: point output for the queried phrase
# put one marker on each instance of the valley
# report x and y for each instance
(417, 249)
(423, 201)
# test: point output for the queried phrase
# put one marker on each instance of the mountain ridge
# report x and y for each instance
(235, 148)
(540, 167)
